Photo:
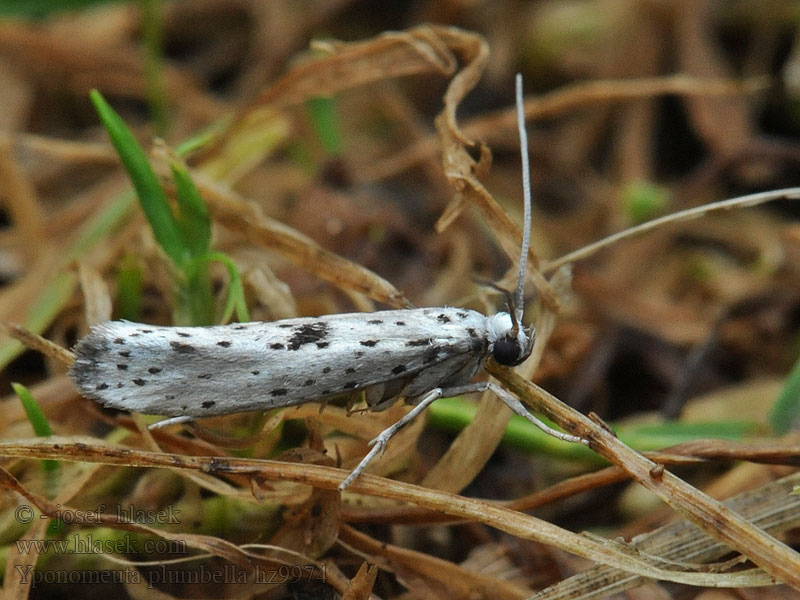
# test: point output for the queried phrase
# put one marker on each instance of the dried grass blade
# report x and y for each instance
(242, 216)
(392, 54)
(510, 521)
(685, 215)
(774, 557)
(771, 507)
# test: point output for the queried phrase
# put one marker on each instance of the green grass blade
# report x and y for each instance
(193, 218)
(152, 197)
(453, 414)
(203, 138)
(34, 9)
(785, 414)
(235, 302)
(59, 291)
(152, 26)
(39, 422)
(324, 118)
(101, 225)
(129, 288)
(43, 311)
(196, 299)
(35, 415)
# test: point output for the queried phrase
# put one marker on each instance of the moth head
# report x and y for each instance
(509, 343)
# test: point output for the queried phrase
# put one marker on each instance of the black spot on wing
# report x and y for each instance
(349, 370)
(125, 354)
(154, 370)
(375, 322)
(139, 381)
(121, 367)
(398, 369)
(279, 392)
(224, 344)
(100, 387)
(183, 334)
(443, 318)
(276, 346)
(419, 342)
(119, 341)
(307, 334)
(369, 343)
(182, 348)
(208, 404)
(323, 344)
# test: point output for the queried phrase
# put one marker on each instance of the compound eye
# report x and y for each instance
(506, 352)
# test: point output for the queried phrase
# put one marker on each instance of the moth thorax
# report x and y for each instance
(508, 347)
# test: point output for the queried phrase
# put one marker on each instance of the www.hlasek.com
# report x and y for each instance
(87, 543)
(202, 575)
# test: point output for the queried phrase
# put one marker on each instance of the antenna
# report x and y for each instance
(526, 190)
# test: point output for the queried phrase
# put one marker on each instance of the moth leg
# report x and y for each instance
(379, 443)
(171, 421)
(514, 404)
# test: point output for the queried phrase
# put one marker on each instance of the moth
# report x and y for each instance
(419, 354)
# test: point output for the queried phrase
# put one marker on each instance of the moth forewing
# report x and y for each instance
(208, 371)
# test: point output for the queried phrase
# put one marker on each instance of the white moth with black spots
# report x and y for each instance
(419, 354)
(258, 366)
